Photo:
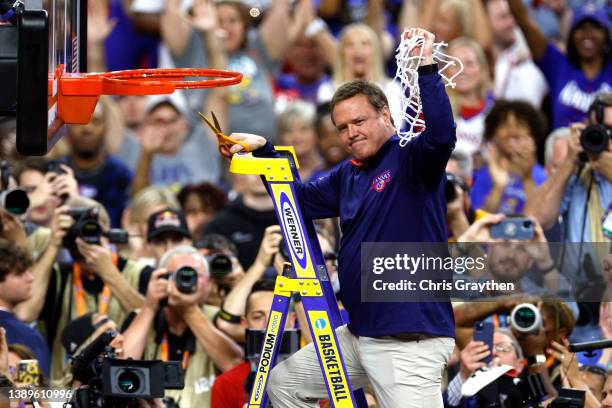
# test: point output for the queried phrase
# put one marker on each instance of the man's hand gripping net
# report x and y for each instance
(412, 122)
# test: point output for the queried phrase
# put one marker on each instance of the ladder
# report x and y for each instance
(311, 281)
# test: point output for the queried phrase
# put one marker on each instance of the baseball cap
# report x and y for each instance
(176, 99)
(167, 220)
(590, 11)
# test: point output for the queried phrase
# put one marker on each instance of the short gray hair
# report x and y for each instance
(183, 250)
(298, 110)
(561, 133)
(507, 332)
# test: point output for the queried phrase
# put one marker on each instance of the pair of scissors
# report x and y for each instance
(224, 140)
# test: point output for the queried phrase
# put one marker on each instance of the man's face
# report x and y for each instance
(607, 393)
(509, 261)
(306, 60)
(172, 124)
(259, 306)
(16, 287)
(42, 214)
(88, 140)
(133, 108)
(363, 129)
(166, 241)
(502, 22)
(507, 354)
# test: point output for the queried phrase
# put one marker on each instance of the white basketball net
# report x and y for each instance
(412, 123)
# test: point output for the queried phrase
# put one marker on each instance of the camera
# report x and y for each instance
(185, 278)
(87, 227)
(111, 382)
(452, 181)
(219, 265)
(526, 318)
(595, 138)
(14, 201)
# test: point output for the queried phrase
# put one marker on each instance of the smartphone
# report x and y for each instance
(483, 331)
(54, 166)
(28, 372)
(517, 228)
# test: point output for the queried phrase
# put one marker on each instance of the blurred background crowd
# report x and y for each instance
(533, 110)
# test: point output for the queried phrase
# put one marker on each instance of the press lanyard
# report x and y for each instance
(164, 349)
(79, 293)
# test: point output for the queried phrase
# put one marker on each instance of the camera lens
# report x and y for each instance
(524, 317)
(91, 232)
(527, 224)
(186, 279)
(594, 139)
(220, 265)
(129, 382)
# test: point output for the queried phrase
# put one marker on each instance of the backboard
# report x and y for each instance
(62, 48)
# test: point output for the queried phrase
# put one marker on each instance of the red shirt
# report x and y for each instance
(228, 388)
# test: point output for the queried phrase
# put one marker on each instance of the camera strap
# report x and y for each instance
(164, 350)
(79, 292)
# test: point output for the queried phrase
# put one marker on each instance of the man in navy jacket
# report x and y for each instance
(386, 194)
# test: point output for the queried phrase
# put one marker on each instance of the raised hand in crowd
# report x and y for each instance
(157, 289)
(60, 224)
(480, 231)
(11, 229)
(471, 358)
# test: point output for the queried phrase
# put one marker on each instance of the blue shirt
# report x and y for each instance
(109, 185)
(397, 197)
(571, 92)
(513, 197)
(17, 332)
(574, 202)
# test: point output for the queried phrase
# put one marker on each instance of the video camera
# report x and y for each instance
(87, 227)
(14, 201)
(111, 382)
(219, 265)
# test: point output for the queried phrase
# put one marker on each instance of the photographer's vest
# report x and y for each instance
(199, 375)
(76, 301)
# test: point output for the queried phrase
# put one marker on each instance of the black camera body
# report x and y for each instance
(595, 138)
(219, 265)
(185, 278)
(87, 227)
(111, 382)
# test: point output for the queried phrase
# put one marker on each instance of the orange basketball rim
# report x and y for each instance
(77, 94)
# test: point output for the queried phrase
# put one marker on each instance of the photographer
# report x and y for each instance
(95, 280)
(48, 184)
(580, 190)
(225, 269)
(175, 324)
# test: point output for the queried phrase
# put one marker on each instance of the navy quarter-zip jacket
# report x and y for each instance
(398, 196)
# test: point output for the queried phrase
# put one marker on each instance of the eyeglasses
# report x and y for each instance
(503, 348)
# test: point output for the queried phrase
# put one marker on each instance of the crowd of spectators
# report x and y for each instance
(536, 74)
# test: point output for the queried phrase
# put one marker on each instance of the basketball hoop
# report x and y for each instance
(408, 77)
(77, 94)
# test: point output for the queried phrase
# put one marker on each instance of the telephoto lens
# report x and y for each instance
(186, 279)
(526, 318)
(595, 138)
